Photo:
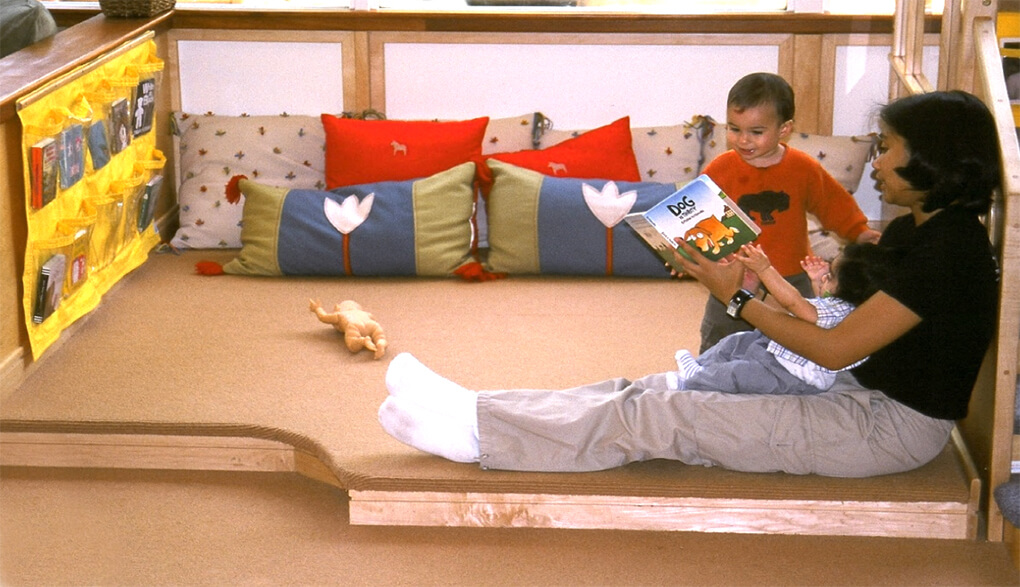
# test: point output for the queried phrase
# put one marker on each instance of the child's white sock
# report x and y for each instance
(687, 365)
(429, 431)
(410, 380)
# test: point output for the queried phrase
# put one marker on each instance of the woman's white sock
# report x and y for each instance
(429, 412)
(411, 381)
(429, 431)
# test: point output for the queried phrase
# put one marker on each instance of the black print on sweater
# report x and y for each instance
(764, 205)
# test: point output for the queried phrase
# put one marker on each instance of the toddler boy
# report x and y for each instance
(777, 186)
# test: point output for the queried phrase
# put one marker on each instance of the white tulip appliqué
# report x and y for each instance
(345, 217)
(609, 206)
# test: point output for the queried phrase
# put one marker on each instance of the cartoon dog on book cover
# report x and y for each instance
(710, 234)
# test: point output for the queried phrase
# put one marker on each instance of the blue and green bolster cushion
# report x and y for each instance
(418, 227)
(539, 224)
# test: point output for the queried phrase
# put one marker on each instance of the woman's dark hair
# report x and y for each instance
(954, 148)
(755, 89)
(861, 270)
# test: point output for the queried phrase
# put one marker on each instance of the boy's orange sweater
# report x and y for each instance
(779, 197)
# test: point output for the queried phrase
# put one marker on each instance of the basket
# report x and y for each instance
(134, 8)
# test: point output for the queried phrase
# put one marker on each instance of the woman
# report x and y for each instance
(926, 331)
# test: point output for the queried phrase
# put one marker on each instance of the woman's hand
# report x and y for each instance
(722, 278)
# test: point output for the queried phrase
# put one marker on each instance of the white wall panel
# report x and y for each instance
(578, 86)
(861, 87)
(259, 78)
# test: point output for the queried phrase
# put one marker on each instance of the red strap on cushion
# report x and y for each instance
(208, 268)
(475, 271)
(233, 191)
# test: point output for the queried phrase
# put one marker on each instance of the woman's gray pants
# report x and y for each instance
(845, 432)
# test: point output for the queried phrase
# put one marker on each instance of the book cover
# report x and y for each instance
(71, 155)
(120, 126)
(145, 106)
(699, 213)
(149, 200)
(78, 268)
(99, 147)
(43, 166)
(50, 288)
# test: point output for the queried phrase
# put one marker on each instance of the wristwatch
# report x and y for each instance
(737, 302)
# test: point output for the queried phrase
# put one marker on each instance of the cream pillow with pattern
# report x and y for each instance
(285, 151)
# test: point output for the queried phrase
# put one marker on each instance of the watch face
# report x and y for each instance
(737, 303)
(731, 309)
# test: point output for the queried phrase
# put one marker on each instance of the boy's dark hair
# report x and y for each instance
(755, 89)
(861, 270)
(954, 148)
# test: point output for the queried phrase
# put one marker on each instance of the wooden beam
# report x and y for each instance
(151, 451)
(745, 516)
(902, 519)
(907, 53)
(989, 83)
(806, 82)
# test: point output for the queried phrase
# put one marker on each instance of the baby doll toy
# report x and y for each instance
(360, 329)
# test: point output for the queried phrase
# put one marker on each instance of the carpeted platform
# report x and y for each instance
(172, 353)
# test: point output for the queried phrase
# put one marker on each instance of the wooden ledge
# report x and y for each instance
(34, 66)
(742, 516)
(561, 21)
(898, 519)
(903, 519)
(151, 451)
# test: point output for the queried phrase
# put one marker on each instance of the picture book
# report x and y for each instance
(120, 126)
(71, 155)
(78, 268)
(50, 288)
(147, 203)
(145, 106)
(43, 170)
(699, 213)
(99, 147)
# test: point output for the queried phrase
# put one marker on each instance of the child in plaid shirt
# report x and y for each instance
(750, 362)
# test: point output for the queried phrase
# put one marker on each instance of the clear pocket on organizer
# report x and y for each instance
(71, 142)
(120, 118)
(41, 152)
(80, 251)
(51, 269)
(148, 201)
(129, 192)
(107, 230)
(98, 134)
(149, 76)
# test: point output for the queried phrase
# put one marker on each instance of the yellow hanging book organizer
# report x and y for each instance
(93, 179)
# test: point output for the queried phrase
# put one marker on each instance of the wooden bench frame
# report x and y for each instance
(967, 38)
(901, 519)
